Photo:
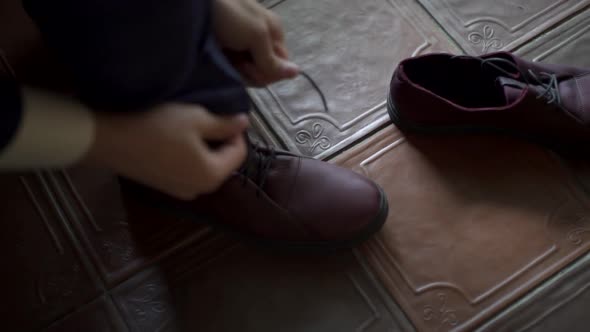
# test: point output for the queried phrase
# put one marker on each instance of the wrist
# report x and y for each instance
(102, 152)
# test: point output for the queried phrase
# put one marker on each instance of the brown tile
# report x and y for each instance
(474, 223)
(247, 289)
(350, 49)
(98, 316)
(43, 276)
(559, 305)
(122, 235)
(561, 302)
(482, 26)
(145, 300)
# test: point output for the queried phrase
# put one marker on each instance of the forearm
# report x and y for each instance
(50, 131)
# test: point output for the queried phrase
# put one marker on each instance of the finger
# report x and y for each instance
(238, 57)
(281, 51)
(275, 27)
(216, 127)
(242, 62)
(267, 61)
(252, 75)
(229, 157)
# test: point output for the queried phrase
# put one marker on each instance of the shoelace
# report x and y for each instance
(315, 86)
(261, 157)
(551, 92)
(547, 81)
(257, 165)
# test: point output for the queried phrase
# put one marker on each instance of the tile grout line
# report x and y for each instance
(532, 39)
(44, 177)
(440, 26)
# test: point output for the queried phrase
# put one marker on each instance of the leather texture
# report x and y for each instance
(440, 91)
(295, 202)
(477, 222)
(560, 303)
(79, 256)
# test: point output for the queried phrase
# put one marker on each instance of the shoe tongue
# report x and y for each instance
(511, 88)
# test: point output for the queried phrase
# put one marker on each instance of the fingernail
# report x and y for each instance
(290, 68)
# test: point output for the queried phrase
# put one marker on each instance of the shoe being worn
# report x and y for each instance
(279, 198)
(498, 92)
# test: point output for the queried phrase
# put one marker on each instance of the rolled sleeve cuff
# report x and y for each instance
(53, 132)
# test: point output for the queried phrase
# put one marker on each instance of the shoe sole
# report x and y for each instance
(365, 234)
(405, 125)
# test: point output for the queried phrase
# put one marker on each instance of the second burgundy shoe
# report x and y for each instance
(286, 200)
(498, 92)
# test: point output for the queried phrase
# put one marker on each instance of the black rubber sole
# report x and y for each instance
(404, 125)
(326, 246)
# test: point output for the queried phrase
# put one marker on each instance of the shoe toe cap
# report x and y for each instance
(337, 204)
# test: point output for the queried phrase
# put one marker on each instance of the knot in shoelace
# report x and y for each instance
(547, 81)
(258, 164)
(261, 156)
(551, 86)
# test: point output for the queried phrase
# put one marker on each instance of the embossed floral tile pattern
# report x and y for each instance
(52, 261)
(474, 223)
(482, 26)
(122, 235)
(569, 44)
(563, 302)
(349, 49)
(559, 305)
(198, 290)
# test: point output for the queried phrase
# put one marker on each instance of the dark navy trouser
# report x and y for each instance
(128, 55)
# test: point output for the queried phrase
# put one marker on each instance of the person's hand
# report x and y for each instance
(254, 37)
(167, 148)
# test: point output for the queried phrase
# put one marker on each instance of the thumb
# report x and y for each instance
(216, 127)
(230, 156)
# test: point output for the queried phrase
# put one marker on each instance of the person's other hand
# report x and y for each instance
(167, 148)
(255, 40)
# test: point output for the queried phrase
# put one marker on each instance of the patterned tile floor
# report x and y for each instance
(462, 249)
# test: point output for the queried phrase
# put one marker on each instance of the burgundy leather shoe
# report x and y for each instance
(283, 199)
(498, 92)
